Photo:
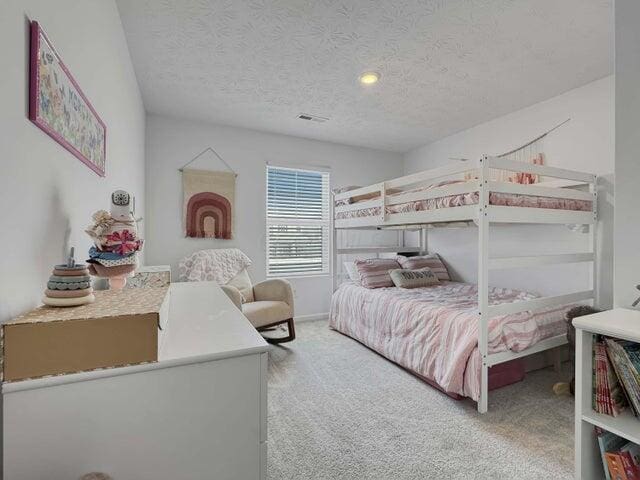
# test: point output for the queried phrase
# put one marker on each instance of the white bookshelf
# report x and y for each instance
(618, 323)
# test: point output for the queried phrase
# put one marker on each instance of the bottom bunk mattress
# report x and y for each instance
(433, 331)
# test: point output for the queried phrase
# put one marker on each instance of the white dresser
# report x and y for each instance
(199, 413)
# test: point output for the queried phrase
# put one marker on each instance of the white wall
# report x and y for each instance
(47, 194)
(586, 143)
(173, 142)
(627, 218)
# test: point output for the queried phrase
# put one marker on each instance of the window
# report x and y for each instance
(298, 223)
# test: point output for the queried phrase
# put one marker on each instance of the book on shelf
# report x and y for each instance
(620, 458)
(630, 455)
(608, 395)
(608, 442)
(624, 356)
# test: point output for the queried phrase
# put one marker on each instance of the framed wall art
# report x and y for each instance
(58, 106)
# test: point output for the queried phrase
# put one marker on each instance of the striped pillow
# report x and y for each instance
(431, 261)
(374, 273)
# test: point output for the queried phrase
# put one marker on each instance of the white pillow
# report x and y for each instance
(352, 271)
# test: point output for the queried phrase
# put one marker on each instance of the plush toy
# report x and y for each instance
(116, 241)
(563, 388)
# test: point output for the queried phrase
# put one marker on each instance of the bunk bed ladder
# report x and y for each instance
(485, 264)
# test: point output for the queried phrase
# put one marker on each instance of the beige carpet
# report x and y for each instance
(339, 411)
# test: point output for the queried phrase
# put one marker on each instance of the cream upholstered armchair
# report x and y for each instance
(266, 304)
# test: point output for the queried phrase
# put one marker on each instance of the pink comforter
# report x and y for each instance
(434, 331)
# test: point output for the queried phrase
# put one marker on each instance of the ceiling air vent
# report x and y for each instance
(312, 118)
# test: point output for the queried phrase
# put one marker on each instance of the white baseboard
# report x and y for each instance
(312, 317)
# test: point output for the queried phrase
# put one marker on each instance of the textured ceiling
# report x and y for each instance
(445, 65)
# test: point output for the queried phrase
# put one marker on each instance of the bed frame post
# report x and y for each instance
(383, 202)
(424, 244)
(334, 246)
(593, 244)
(483, 281)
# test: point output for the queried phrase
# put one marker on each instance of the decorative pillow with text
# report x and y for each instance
(413, 278)
(431, 261)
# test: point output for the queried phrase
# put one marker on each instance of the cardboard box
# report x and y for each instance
(120, 328)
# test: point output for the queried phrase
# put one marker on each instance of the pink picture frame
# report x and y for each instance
(60, 108)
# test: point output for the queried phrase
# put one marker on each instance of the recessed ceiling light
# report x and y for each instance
(369, 78)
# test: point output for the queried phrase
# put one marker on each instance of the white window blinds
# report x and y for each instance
(298, 222)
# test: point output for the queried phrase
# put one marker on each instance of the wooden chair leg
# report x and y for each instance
(291, 336)
(292, 329)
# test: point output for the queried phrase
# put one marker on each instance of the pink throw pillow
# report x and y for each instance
(374, 272)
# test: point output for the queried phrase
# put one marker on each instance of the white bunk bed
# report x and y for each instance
(568, 185)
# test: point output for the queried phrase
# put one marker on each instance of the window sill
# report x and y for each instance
(301, 275)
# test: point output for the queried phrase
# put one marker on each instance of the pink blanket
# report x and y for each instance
(433, 331)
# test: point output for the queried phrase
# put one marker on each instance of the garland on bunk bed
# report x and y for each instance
(530, 152)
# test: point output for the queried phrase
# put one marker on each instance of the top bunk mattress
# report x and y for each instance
(463, 199)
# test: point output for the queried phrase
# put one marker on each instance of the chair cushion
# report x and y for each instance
(243, 283)
(234, 295)
(266, 312)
